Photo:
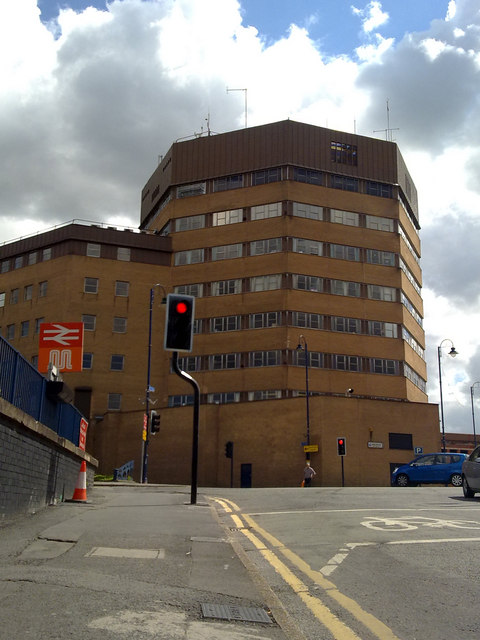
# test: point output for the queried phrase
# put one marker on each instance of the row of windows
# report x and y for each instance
(28, 293)
(344, 154)
(28, 259)
(94, 250)
(277, 209)
(297, 245)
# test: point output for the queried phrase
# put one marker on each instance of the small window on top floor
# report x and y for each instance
(5, 266)
(18, 262)
(123, 253)
(343, 153)
(47, 254)
(267, 175)
(93, 250)
(32, 258)
(228, 182)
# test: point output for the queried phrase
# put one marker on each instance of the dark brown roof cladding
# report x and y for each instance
(270, 145)
(87, 233)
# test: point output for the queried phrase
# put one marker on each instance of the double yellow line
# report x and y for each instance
(270, 550)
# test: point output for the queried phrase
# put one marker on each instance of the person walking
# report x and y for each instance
(308, 475)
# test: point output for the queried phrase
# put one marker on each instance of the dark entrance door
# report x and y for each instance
(246, 475)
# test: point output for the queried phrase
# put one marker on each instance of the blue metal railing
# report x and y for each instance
(25, 388)
(123, 472)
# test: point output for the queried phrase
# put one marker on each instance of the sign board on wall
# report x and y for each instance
(61, 344)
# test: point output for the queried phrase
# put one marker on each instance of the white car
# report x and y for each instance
(471, 474)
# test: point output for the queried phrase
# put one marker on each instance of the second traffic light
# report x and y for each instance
(154, 422)
(341, 446)
(179, 322)
(229, 449)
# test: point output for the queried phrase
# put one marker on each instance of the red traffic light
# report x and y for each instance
(181, 307)
(340, 441)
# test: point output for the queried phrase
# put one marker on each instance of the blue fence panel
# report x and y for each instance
(24, 387)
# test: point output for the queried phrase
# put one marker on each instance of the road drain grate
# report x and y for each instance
(228, 612)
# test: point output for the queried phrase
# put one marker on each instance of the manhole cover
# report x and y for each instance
(229, 612)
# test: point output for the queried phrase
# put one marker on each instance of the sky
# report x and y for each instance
(92, 94)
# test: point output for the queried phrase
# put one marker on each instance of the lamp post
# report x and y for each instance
(473, 415)
(149, 388)
(452, 353)
(303, 346)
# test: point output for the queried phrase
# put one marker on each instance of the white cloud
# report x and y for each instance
(372, 16)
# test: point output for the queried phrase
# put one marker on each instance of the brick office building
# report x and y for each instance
(295, 240)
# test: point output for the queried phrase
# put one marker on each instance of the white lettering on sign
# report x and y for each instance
(61, 359)
(62, 335)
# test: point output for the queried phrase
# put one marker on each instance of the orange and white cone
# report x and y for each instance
(80, 493)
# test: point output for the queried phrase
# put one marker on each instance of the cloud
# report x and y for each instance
(372, 16)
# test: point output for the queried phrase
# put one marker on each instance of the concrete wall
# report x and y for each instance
(37, 467)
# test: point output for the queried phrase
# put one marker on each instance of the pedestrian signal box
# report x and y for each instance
(179, 322)
(341, 446)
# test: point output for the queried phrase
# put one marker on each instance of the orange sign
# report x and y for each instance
(61, 344)
(82, 441)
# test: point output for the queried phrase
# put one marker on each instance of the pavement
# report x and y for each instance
(134, 562)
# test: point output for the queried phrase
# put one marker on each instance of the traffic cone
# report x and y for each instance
(80, 493)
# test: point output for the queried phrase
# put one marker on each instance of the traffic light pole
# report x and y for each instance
(196, 412)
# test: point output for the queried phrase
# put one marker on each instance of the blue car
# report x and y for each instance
(431, 468)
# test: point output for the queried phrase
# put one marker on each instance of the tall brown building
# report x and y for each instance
(301, 247)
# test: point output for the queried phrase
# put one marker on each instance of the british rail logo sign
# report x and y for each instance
(61, 344)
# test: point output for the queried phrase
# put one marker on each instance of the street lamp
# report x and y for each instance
(149, 388)
(473, 415)
(452, 353)
(302, 346)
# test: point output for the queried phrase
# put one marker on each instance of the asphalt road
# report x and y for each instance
(370, 563)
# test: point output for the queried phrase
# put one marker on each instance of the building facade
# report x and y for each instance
(301, 246)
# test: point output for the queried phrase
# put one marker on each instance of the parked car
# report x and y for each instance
(431, 468)
(471, 474)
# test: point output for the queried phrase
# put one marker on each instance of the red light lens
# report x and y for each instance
(340, 442)
(181, 307)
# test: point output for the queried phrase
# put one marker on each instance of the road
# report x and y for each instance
(369, 563)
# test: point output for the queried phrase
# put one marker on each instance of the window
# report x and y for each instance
(345, 217)
(2, 299)
(343, 153)
(224, 361)
(28, 292)
(269, 394)
(114, 401)
(14, 296)
(346, 325)
(119, 325)
(266, 176)
(122, 288)
(228, 182)
(414, 377)
(18, 263)
(24, 328)
(312, 247)
(344, 288)
(89, 322)
(123, 253)
(10, 331)
(307, 320)
(260, 247)
(190, 222)
(376, 292)
(180, 400)
(190, 363)
(407, 336)
(93, 250)
(195, 290)
(343, 252)
(87, 361)
(226, 287)
(410, 277)
(117, 362)
(387, 258)
(379, 189)
(346, 363)
(409, 306)
(42, 288)
(265, 358)
(307, 211)
(346, 183)
(263, 320)
(232, 216)
(47, 254)
(188, 190)
(263, 211)
(380, 365)
(400, 441)
(385, 329)
(32, 258)
(315, 359)
(379, 224)
(225, 323)
(38, 322)
(5, 266)
(223, 398)
(90, 285)
(307, 175)
(189, 257)
(227, 251)
(307, 283)
(266, 283)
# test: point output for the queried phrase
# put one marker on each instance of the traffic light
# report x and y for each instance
(179, 322)
(229, 449)
(154, 422)
(341, 446)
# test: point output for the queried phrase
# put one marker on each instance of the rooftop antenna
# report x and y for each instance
(388, 130)
(245, 92)
(207, 120)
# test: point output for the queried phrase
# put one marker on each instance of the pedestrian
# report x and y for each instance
(308, 474)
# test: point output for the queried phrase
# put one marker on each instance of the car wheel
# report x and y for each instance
(467, 492)
(402, 480)
(456, 480)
